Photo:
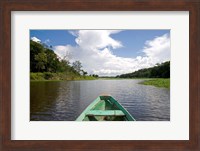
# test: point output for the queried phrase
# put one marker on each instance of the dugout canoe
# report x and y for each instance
(105, 108)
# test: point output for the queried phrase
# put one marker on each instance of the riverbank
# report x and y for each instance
(160, 82)
(48, 76)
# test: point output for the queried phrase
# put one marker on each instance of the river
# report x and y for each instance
(65, 100)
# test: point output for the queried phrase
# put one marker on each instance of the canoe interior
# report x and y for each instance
(105, 108)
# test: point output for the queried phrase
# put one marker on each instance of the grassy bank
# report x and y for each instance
(38, 76)
(157, 82)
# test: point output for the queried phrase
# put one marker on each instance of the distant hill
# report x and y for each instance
(159, 71)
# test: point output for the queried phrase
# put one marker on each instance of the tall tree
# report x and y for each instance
(77, 66)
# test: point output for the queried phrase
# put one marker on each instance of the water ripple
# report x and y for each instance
(64, 101)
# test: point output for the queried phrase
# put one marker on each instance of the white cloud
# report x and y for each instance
(93, 50)
(64, 51)
(36, 39)
(91, 39)
(158, 48)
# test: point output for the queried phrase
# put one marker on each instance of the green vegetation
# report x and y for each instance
(157, 82)
(158, 71)
(160, 75)
(58, 76)
(46, 65)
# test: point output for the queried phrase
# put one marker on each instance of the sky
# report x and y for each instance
(108, 52)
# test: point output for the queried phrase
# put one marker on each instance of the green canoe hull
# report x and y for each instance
(105, 108)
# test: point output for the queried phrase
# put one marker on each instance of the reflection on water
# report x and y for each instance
(65, 100)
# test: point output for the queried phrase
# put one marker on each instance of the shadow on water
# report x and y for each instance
(54, 101)
(65, 100)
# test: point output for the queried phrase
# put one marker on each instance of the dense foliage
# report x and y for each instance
(158, 71)
(46, 65)
(43, 59)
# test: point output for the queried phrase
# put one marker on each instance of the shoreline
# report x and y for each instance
(59, 76)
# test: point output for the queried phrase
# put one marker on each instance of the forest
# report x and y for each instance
(46, 65)
(158, 71)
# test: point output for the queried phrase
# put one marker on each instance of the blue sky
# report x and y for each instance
(56, 37)
(133, 40)
(134, 48)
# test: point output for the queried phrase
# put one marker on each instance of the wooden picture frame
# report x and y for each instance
(7, 6)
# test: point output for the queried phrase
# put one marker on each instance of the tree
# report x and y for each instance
(64, 65)
(35, 49)
(77, 66)
(44, 59)
(161, 70)
(41, 59)
(52, 61)
(95, 75)
(84, 73)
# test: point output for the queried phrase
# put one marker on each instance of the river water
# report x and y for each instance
(65, 100)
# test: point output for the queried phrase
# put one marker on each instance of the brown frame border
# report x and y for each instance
(6, 6)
